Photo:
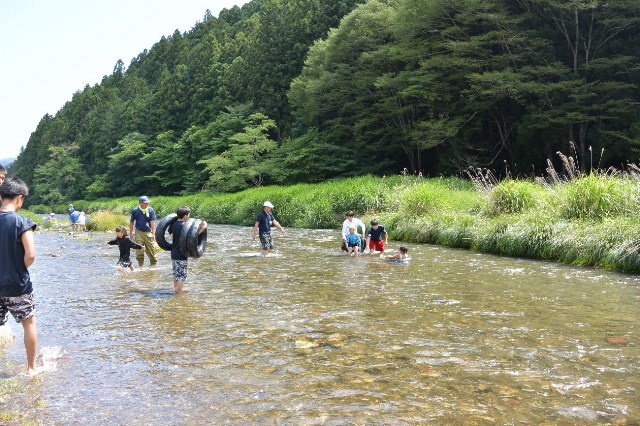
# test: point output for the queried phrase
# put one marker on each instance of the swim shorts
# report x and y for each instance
(265, 241)
(179, 269)
(21, 307)
(376, 245)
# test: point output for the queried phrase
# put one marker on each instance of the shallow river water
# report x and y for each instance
(308, 336)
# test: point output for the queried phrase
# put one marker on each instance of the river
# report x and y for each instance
(308, 336)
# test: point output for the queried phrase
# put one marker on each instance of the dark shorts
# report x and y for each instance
(179, 269)
(265, 241)
(344, 245)
(20, 307)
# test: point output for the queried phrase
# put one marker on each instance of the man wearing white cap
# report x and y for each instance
(142, 230)
(264, 221)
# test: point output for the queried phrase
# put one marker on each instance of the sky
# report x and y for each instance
(51, 49)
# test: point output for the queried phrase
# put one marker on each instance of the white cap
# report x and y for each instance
(267, 204)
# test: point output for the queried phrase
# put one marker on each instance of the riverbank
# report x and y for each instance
(590, 220)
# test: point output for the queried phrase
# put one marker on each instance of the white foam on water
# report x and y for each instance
(50, 356)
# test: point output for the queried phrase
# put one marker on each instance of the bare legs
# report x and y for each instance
(30, 343)
(178, 286)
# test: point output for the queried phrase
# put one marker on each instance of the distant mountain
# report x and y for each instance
(7, 161)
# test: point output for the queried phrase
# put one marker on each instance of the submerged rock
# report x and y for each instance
(617, 340)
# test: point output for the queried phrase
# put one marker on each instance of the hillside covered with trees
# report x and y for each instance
(288, 91)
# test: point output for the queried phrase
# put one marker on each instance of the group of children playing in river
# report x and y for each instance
(375, 241)
(353, 243)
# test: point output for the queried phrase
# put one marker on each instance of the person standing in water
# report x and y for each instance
(178, 259)
(18, 253)
(264, 221)
(142, 228)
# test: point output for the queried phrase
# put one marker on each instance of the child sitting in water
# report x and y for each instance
(125, 245)
(353, 241)
(403, 255)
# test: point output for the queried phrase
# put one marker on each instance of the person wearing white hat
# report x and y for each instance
(264, 221)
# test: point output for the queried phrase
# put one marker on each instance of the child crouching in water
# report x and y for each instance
(403, 255)
(125, 245)
(353, 241)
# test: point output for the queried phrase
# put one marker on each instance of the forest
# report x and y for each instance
(279, 92)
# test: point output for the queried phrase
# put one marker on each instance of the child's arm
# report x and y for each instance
(112, 242)
(134, 245)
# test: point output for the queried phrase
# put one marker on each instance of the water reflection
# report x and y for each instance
(312, 337)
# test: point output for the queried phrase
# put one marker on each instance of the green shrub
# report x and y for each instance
(107, 221)
(597, 196)
(39, 209)
(512, 196)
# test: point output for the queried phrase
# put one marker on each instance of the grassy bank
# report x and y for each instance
(589, 220)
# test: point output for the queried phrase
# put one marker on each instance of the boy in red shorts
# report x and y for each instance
(377, 237)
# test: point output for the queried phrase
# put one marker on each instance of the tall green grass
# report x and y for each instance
(586, 220)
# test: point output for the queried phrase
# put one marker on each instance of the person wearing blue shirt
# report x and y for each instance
(352, 220)
(142, 228)
(263, 224)
(73, 218)
(353, 241)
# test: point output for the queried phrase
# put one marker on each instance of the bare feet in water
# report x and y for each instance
(32, 372)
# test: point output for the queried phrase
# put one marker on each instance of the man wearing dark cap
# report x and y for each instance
(142, 229)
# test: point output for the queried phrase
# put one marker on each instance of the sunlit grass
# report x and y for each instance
(108, 221)
(584, 219)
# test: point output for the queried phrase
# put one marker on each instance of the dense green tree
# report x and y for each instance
(597, 88)
(351, 87)
(60, 178)
(245, 162)
(127, 173)
(336, 95)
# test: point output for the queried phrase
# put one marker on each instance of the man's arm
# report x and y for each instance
(153, 229)
(255, 230)
(277, 224)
